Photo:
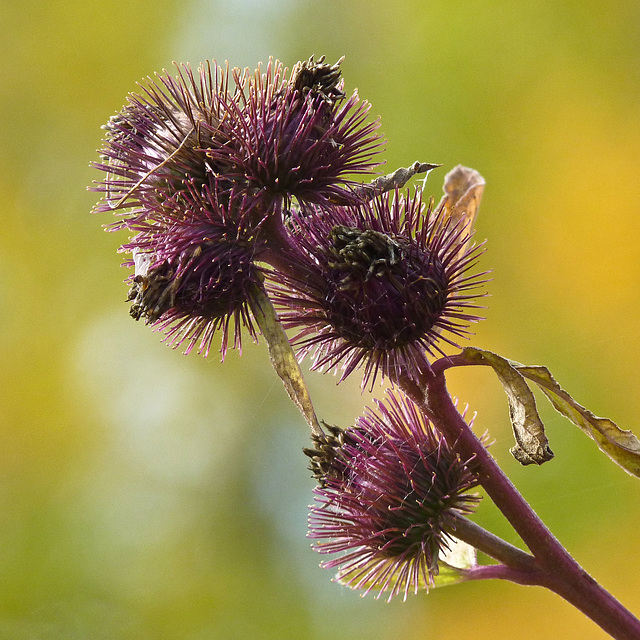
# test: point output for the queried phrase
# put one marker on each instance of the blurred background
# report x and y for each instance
(149, 495)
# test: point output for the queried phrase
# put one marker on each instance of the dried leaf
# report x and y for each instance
(623, 447)
(532, 445)
(395, 180)
(282, 356)
(463, 188)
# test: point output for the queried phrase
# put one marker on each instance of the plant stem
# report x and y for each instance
(558, 571)
(490, 544)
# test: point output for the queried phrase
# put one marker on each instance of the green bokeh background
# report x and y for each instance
(149, 495)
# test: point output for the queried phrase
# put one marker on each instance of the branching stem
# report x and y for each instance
(556, 569)
(493, 546)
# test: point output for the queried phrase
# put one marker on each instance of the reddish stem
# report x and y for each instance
(558, 571)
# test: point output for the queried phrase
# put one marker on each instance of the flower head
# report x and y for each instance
(381, 283)
(297, 136)
(157, 143)
(195, 267)
(388, 489)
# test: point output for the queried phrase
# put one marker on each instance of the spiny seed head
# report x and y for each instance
(388, 489)
(296, 136)
(381, 284)
(194, 268)
(157, 143)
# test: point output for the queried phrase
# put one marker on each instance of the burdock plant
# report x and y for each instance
(244, 200)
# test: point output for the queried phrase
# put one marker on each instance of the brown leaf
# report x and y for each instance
(282, 356)
(463, 189)
(623, 447)
(532, 446)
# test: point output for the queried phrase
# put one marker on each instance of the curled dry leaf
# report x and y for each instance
(395, 180)
(463, 189)
(282, 357)
(623, 447)
(532, 446)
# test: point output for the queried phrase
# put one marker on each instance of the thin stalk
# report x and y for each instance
(503, 572)
(492, 545)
